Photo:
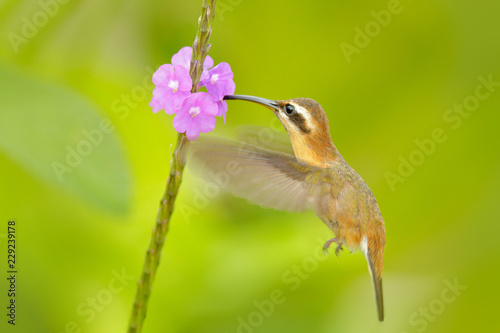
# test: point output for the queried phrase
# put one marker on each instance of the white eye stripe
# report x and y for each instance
(302, 111)
(299, 121)
(305, 113)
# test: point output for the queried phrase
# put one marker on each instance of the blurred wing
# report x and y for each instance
(262, 176)
(265, 137)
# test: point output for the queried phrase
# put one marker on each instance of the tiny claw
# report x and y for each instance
(327, 245)
(329, 242)
(338, 249)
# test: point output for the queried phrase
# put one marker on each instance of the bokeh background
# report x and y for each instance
(76, 68)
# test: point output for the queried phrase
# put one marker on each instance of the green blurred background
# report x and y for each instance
(72, 70)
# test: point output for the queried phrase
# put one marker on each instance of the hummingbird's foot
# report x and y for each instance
(329, 242)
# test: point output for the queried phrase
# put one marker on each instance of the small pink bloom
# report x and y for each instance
(172, 87)
(183, 58)
(219, 81)
(221, 109)
(196, 115)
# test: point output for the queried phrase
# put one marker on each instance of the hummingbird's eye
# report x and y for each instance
(289, 109)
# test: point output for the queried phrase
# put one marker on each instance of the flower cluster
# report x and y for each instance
(194, 112)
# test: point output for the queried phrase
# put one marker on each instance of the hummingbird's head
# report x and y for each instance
(302, 117)
(306, 124)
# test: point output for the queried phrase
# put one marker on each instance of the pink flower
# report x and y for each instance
(196, 115)
(221, 109)
(172, 87)
(219, 81)
(183, 58)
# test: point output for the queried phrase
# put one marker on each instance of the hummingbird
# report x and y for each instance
(316, 178)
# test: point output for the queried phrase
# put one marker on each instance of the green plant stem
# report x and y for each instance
(160, 229)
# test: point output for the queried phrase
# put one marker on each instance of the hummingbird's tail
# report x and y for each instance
(376, 275)
(379, 296)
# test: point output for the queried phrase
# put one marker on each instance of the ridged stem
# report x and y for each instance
(160, 229)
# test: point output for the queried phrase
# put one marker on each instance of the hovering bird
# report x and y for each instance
(317, 177)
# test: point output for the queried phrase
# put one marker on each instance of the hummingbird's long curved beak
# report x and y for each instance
(259, 100)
